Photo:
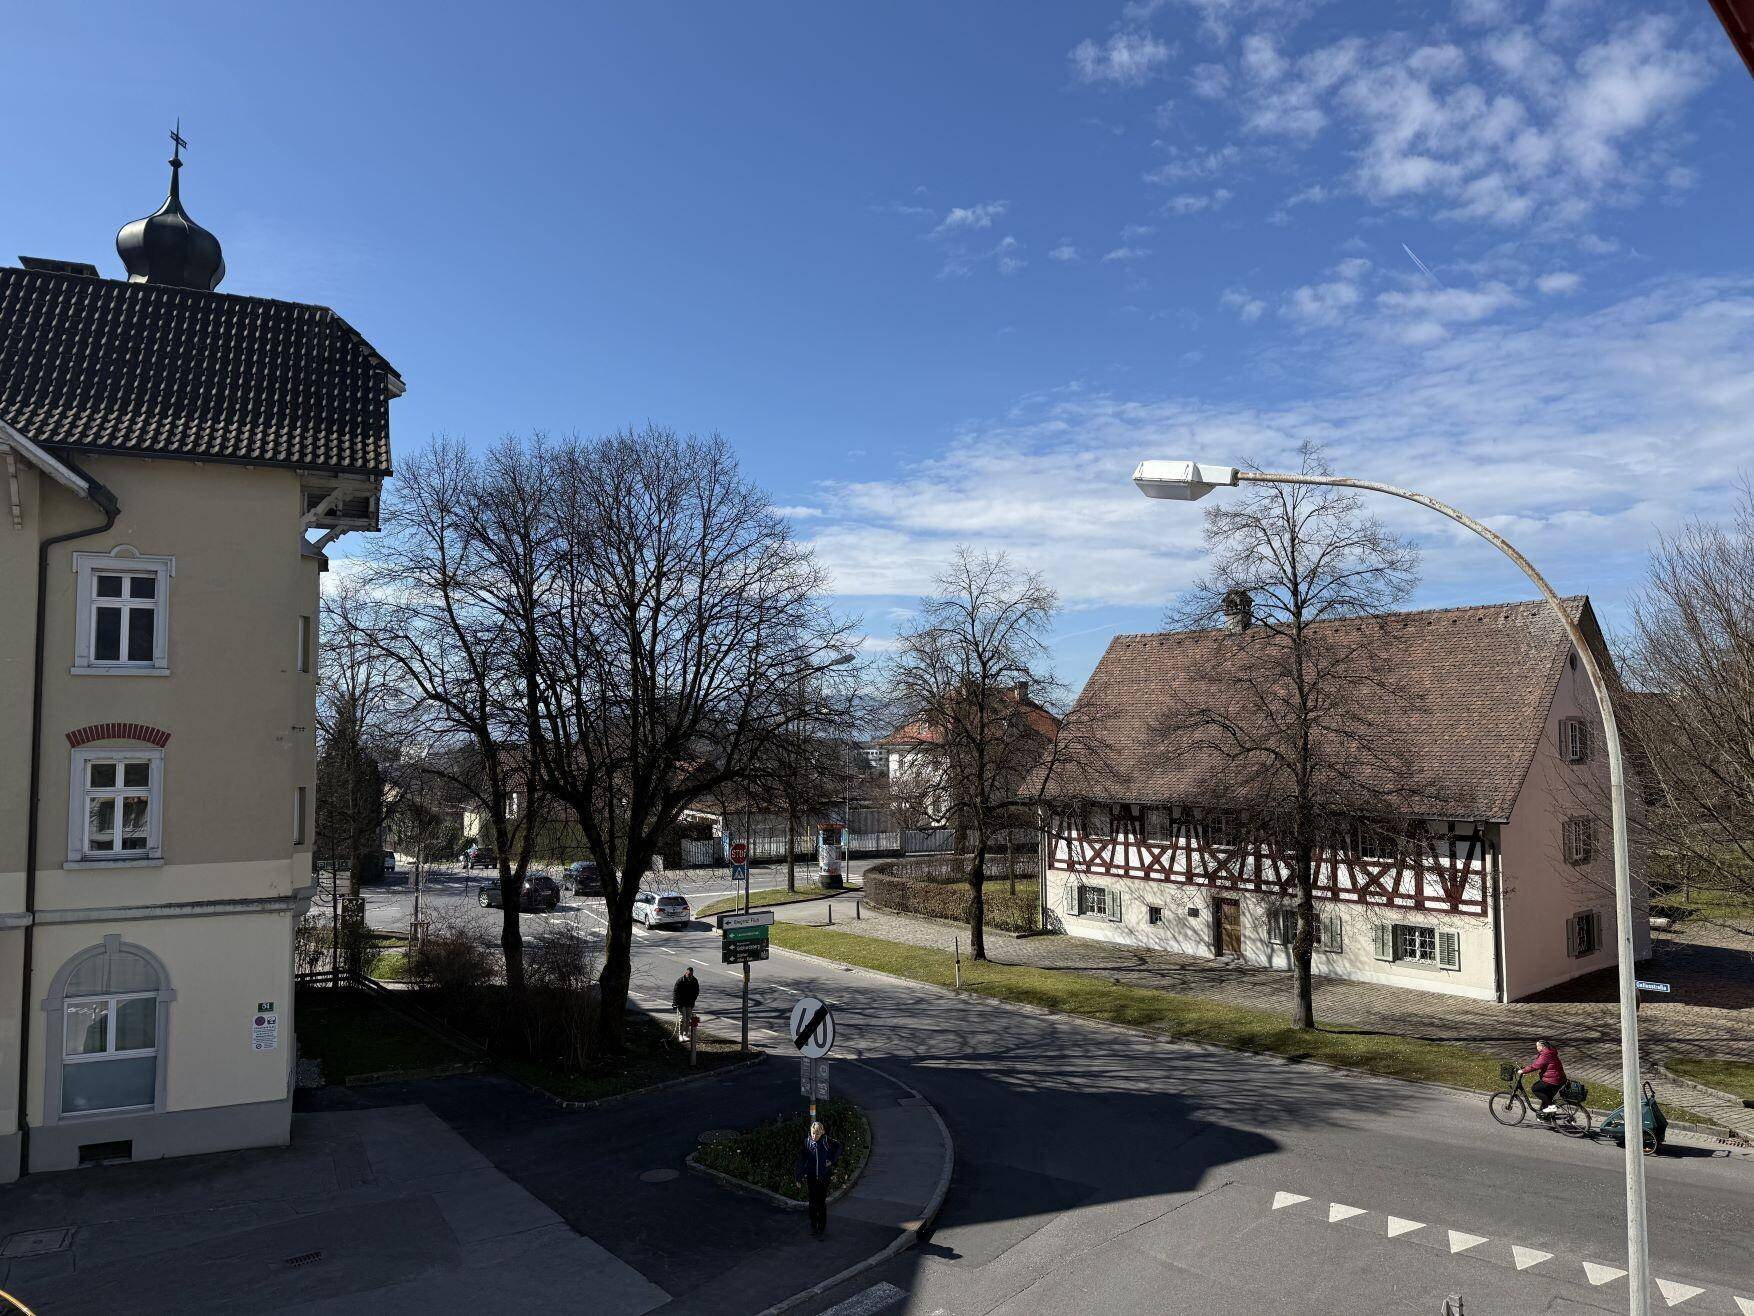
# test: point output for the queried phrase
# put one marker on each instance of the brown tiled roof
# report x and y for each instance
(920, 731)
(1479, 682)
(107, 366)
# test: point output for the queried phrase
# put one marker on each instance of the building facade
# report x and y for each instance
(1502, 885)
(167, 448)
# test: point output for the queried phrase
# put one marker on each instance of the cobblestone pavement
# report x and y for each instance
(1708, 965)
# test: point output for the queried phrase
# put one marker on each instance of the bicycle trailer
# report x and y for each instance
(1656, 1124)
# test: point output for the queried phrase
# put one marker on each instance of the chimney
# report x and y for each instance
(1021, 690)
(1239, 610)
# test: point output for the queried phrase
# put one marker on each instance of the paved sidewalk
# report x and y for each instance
(1582, 1016)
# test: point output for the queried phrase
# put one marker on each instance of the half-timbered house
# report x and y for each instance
(1492, 880)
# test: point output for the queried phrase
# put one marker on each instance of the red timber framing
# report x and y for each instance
(1412, 864)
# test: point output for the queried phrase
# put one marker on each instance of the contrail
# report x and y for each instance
(1423, 267)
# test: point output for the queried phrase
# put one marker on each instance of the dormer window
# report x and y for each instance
(123, 607)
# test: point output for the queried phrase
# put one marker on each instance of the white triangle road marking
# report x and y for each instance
(1746, 1304)
(1528, 1256)
(1599, 1274)
(1337, 1212)
(1287, 1199)
(1460, 1242)
(1398, 1226)
(1675, 1293)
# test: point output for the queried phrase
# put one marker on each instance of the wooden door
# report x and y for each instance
(1227, 926)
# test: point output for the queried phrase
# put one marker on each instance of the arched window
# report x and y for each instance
(107, 1009)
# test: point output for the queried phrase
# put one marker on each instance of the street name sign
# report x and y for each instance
(755, 918)
(812, 1029)
(1644, 986)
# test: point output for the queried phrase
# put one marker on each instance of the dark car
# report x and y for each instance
(541, 894)
(480, 858)
(584, 878)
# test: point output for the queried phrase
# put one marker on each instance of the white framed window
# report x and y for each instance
(1282, 928)
(1093, 900)
(304, 643)
(109, 1052)
(1415, 943)
(1154, 914)
(298, 815)
(1577, 838)
(1377, 843)
(122, 606)
(1159, 825)
(1099, 821)
(1419, 945)
(1574, 740)
(1216, 828)
(1583, 934)
(115, 806)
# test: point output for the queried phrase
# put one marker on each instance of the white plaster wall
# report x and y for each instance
(1542, 891)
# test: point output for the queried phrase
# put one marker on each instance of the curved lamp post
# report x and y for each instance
(1187, 481)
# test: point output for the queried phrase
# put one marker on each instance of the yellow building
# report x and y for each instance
(166, 449)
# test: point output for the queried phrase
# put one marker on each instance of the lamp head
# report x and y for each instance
(1184, 481)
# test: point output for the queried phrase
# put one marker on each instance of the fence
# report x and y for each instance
(764, 846)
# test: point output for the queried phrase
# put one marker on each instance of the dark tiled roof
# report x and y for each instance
(102, 365)
(1474, 686)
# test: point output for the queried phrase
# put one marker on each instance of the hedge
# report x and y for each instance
(1004, 912)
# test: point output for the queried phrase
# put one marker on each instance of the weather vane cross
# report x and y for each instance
(177, 137)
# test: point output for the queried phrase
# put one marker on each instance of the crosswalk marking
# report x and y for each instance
(1398, 1226)
(1675, 1293)
(1337, 1212)
(1287, 1199)
(1460, 1242)
(1599, 1274)
(1528, 1256)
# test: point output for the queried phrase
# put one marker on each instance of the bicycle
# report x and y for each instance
(1511, 1107)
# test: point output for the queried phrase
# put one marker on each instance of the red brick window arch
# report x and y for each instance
(118, 731)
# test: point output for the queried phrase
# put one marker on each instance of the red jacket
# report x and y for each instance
(1547, 1067)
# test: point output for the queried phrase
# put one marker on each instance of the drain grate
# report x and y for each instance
(36, 1242)
(302, 1259)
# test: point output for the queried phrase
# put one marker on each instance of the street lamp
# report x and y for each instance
(1186, 481)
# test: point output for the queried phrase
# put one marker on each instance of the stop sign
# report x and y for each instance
(739, 852)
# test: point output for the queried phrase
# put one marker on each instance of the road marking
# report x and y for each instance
(1745, 1304)
(873, 1299)
(1675, 1293)
(1287, 1199)
(1398, 1226)
(1528, 1256)
(1599, 1275)
(1337, 1212)
(1460, 1242)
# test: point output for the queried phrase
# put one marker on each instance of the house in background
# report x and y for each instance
(919, 776)
(166, 449)
(1498, 885)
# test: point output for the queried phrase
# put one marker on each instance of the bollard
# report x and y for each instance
(831, 913)
(858, 905)
(957, 944)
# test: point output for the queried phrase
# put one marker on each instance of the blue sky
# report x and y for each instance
(946, 272)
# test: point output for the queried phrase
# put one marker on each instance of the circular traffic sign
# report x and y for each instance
(812, 1029)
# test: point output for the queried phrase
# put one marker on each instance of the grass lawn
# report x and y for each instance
(1191, 1017)
(390, 965)
(653, 1055)
(766, 1155)
(776, 896)
(353, 1034)
(1733, 1076)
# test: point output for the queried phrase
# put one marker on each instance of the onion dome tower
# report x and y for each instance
(167, 246)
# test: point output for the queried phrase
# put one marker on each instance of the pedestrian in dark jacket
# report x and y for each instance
(1549, 1076)
(682, 998)
(815, 1166)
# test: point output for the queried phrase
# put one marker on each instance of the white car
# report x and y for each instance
(665, 909)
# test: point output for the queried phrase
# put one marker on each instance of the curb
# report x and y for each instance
(1041, 1012)
(707, 919)
(410, 1075)
(566, 1103)
(908, 1236)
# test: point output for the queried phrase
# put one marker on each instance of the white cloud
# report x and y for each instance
(1008, 255)
(1126, 255)
(1065, 253)
(1559, 283)
(962, 219)
(1450, 305)
(1248, 308)
(1133, 232)
(1192, 203)
(1198, 163)
(1624, 420)
(1210, 82)
(1126, 59)
(798, 513)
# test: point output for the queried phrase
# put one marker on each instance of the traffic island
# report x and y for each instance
(760, 1160)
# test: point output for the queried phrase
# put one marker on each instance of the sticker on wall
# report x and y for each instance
(265, 1028)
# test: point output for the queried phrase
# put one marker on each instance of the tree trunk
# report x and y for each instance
(1011, 858)
(613, 980)
(977, 902)
(1303, 944)
(791, 847)
(511, 931)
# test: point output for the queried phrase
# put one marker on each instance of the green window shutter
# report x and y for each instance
(1449, 950)
(1385, 941)
(1331, 936)
(1571, 938)
(1114, 906)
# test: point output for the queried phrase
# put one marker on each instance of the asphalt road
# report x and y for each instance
(1100, 1171)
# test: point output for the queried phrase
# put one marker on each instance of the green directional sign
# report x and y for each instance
(741, 945)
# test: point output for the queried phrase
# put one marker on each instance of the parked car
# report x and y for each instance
(479, 858)
(389, 861)
(541, 894)
(663, 909)
(584, 878)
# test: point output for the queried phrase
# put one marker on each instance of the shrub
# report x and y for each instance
(949, 900)
(561, 1007)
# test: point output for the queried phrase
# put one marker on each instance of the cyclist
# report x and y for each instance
(1549, 1077)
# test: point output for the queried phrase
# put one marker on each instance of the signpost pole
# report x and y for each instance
(745, 1006)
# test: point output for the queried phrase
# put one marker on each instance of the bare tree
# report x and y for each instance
(804, 769)
(437, 610)
(966, 678)
(355, 702)
(677, 622)
(1301, 728)
(1692, 651)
